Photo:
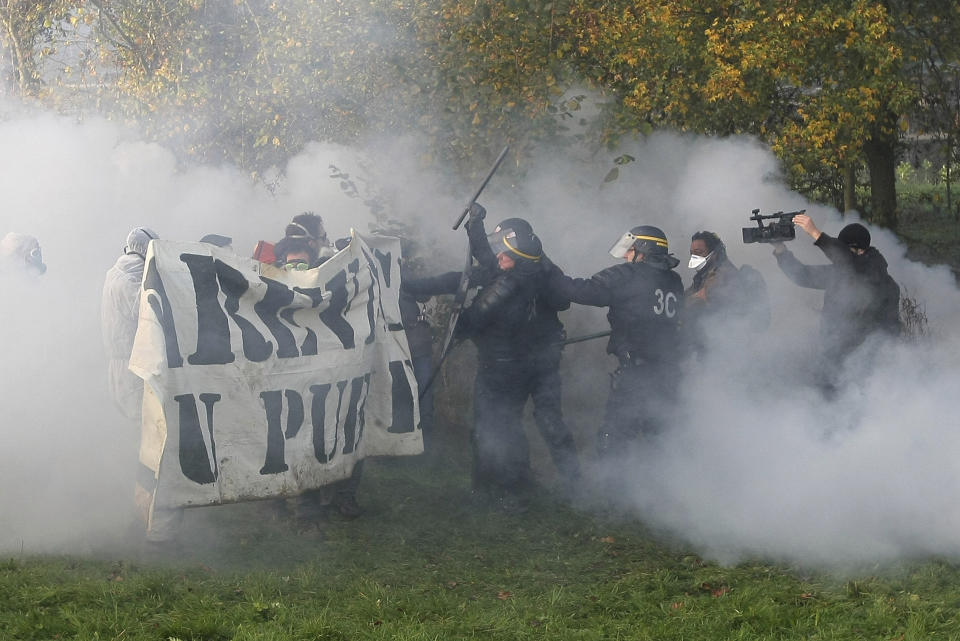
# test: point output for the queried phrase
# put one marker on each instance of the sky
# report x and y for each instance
(755, 464)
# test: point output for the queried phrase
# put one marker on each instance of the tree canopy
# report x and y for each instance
(830, 85)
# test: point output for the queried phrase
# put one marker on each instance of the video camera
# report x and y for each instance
(773, 232)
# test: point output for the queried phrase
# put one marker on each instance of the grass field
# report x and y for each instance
(425, 564)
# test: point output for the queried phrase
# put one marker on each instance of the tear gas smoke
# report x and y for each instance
(755, 464)
(68, 461)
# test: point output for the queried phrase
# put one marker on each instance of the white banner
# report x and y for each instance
(261, 382)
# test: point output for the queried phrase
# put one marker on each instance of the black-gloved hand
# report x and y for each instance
(477, 212)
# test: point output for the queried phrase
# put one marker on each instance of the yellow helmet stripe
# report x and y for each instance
(518, 252)
(662, 242)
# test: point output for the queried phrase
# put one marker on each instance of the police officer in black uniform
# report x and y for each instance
(547, 336)
(644, 297)
(499, 321)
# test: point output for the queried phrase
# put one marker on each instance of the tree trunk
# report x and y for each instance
(881, 154)
(850, 186)
(21, 73)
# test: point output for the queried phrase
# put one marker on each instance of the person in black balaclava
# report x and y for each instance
(859, 296)
(644, 296)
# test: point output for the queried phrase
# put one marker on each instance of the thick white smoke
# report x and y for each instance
(68, 458)
(757, 463)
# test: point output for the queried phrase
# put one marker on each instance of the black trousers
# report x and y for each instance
(545, 390)
(501, 454)
(641, 400)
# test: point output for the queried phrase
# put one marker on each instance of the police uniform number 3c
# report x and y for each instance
(665, 303)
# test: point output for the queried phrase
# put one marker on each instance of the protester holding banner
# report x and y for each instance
(119, 319)
(265, 382)
(305, 246)
(119, 311)
(309, 226)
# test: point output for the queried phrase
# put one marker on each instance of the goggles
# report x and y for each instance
(297, 266)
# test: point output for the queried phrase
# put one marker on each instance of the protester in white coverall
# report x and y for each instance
(119, 311)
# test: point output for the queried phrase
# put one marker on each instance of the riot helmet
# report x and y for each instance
(645, 239)
(648, 241)
(517, 224)
(518, 242)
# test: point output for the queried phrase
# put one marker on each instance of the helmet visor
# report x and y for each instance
(622, 246)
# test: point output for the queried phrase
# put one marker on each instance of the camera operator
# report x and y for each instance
(721, 293)
(859, 295)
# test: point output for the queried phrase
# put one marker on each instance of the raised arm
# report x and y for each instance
(811, 276)
(432, 285)
(479, 245)
(595, 291)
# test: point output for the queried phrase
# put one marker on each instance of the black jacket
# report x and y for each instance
(859, 295)
(644, 302)
(419, 334)
(546, 330)
(500, 318)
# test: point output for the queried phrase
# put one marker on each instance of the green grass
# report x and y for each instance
(423, 564)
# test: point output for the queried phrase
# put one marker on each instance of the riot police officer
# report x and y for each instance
(644, 296)
(499, 321)
(546, 349)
